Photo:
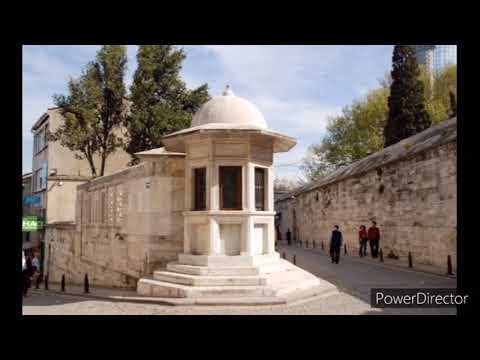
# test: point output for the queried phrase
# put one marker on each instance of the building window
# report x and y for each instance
(40, 140)
(230, 187)
(260, 189)
(199, 189)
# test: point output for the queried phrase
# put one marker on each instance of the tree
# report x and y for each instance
(453, 104)
(94, 109)
(356, 133)
(407, 113)
(437, 95)
(283, 184)
(160, 101)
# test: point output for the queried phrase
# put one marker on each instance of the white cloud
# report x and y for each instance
(270, 69)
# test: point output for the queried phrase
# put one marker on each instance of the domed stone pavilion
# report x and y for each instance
(229, 237)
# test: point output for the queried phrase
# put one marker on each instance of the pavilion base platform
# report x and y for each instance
(233, 280)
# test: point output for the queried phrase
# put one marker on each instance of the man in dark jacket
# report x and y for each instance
(335, 244)
(374, 239)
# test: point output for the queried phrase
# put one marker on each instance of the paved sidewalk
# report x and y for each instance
(354, 278)
(354, 255)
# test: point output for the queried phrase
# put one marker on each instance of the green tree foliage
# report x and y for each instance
(407, 113)
(358, 131)
(160, 101)
(94, 108)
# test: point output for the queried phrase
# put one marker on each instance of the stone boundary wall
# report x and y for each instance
(413, 200)
(128, 224)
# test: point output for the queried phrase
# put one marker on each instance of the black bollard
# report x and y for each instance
(46, 282)
(313, 244)
(345, 248)
(322, 246)
(294, 259)
(410, 262)
(86, 287)
(283, 255)
(449, 265)
(381, 255)
(63, 283)
(37, 282)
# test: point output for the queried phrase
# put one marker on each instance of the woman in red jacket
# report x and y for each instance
(363, 239)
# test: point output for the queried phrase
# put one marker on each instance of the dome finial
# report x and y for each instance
(227, 91)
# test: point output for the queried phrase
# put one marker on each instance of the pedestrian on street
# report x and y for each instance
(36, 266)
(374, 239)
(363, 239)
(335, 244)
(27, 272)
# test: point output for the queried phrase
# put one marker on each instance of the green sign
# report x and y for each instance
(31, 223)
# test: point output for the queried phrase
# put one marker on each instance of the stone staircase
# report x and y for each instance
(268, 283)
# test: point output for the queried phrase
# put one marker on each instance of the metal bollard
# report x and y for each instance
(283, 255)
(381, 255)
(313, 244)
(345, 248)
(63, 283)
(86, 286)
(410, 262)
(449, 265)
(46, 282)
(322, 246)
(294, 259)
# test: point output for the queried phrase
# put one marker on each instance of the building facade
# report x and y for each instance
(56, 172)
(436, 57)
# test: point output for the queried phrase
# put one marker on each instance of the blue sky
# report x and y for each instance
(296, 87)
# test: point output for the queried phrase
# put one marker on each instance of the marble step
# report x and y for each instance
(212, 271)
(205, 280)
(156, 288)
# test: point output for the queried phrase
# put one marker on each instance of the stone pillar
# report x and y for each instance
(187, 247)
(270, 201)
(270, 238)
(214, 187)
(248, 236)
(250, 187)
(213, 237)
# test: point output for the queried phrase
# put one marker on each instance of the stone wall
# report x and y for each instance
(413, 199)
(127, 225)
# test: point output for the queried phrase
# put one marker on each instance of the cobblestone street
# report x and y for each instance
(353, 276)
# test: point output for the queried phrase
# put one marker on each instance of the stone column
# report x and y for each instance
(213, 237)
(270, 202)
(250, 187)
(247, 233)
(270, 238)
(187, 247)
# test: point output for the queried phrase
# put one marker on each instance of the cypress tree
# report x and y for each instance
(407, 114)
(160, 101)
(453, 104)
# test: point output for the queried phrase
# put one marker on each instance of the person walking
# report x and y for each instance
(36, 267)
(27, 272)
(374, 239)
(363, 239)
(335, 244)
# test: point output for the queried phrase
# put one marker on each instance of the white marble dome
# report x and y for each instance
(229, 109)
